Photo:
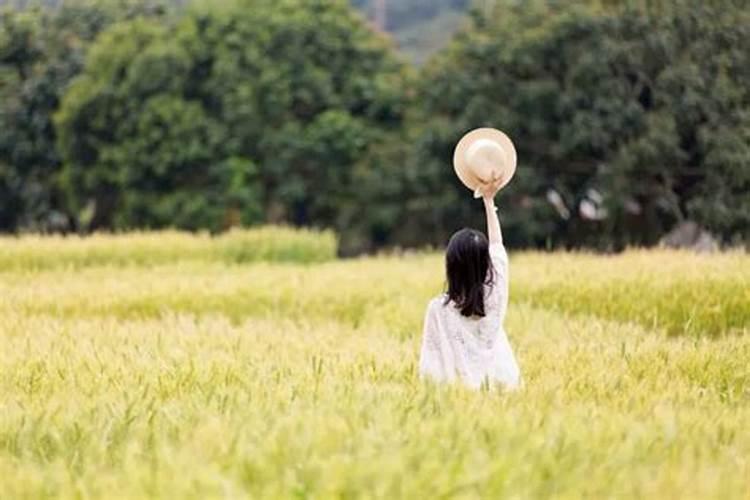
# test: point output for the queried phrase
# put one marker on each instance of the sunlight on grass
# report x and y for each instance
(203, 378)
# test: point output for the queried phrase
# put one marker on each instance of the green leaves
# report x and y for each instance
(297, 112)
(258, 110)
(40, 52)
(633, 105)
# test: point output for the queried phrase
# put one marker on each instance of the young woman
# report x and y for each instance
(463, 334)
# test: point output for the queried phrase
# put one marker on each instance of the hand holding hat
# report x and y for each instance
(485, 161)
(489, 189)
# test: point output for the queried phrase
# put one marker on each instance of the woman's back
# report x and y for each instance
(476, 348)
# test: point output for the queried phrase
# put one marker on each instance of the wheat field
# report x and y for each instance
(165, 366)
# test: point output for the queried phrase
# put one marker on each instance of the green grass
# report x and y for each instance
(674, 292)
(202, 378)
(677, 291)
(278, 244)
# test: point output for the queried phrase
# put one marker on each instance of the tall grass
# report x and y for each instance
(201, 378)
(184, 406)
(681, 292)
(673, 292)
(278, 244)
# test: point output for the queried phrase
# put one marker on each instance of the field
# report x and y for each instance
(174, 366)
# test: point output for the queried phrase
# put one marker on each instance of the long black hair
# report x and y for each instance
(467, 267)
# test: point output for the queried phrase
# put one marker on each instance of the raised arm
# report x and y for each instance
(496, 303)
(488, 192)
(494, 234)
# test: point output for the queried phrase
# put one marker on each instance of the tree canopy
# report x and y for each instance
(628, 118)
(41, 51)
(258, 108)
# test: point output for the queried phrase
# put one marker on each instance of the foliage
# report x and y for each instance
(289, 93)
(633, 114)
(40, 52)
(148, 249)
(137, 149)
(279, 380)
(645, 110)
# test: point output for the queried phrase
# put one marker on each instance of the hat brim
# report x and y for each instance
(465, 174)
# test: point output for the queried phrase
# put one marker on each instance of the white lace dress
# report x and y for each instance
(471, 349)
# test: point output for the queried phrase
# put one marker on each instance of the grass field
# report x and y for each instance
(196, 375)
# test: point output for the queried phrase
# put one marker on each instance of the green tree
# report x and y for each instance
(141, 152)
(690, 157)
(645, 109)
(41, 50)
(301, 89)
(25, 163)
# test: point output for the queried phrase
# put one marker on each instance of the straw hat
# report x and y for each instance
(484, 154)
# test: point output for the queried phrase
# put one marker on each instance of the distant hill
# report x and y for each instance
(419, 27)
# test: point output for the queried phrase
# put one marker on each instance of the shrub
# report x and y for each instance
(32, 252)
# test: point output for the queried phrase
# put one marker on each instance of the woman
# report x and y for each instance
(463, 334)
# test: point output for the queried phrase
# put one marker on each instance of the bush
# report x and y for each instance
(278, 244)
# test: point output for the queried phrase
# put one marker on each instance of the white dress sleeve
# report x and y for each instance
(496, 306)
(496, 295)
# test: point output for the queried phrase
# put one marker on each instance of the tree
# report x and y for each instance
(140, 151)
(41, 50)
(25, 163)
(692, 154)
(628, 120)
(301, 89)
